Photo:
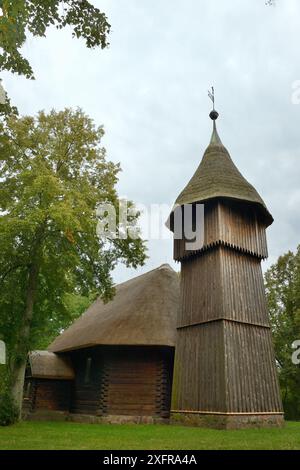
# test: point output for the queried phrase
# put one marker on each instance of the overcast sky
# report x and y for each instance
(149, 90)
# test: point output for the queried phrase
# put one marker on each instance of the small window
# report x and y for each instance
(27, 390)
(87, 374)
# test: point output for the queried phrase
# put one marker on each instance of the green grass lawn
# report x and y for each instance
(60, 435)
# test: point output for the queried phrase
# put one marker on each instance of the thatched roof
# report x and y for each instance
(47, 365)
(143, 312)
(218, 177)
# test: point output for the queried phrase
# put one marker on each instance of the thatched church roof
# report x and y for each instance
(143, 312)
(218, 177)
(47, 365)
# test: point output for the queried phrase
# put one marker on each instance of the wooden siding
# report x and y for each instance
(222, 284)
(46, 394)
(121, 380)
(242, 288)
(137, 383)
(87, 394)
(225, 367)
(224, 361)
(231, 224)
(200, 289)
(199, 369)
(132, 381)
(251, 375)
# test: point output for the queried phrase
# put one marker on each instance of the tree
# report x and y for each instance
(47, 326)
(22, 16)
(53, 173)
(283, 294)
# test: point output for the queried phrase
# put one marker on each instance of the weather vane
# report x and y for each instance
(211, 95)
(213, 114)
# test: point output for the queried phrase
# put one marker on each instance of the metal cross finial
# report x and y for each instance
(212, 96)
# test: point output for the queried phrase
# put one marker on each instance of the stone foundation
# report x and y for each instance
(228, 421)
(214, 421)
(116, 419)
(45, 415)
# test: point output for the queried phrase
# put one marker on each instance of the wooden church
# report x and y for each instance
(225, 372)
(115, 363)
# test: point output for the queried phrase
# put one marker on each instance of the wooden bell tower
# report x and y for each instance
(225, 373)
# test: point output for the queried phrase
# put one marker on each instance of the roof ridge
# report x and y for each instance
(162, 266)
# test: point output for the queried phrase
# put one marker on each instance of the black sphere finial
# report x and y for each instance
(214, 115)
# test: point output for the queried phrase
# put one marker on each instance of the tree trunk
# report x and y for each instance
(22, 347)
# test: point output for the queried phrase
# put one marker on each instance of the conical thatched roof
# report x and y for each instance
(218, 177)
(143, 312)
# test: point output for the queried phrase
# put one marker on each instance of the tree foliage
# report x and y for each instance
(8, 409)
(283, 293)
(34, 16)
(53, 173)
(44, 330)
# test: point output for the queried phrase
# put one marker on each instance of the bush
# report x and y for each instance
(8, 410)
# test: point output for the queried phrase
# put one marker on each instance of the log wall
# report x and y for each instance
(137, 383)
(131, 381)
(87, 390)
(47, 394)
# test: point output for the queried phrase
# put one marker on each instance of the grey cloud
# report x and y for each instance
(149, 89)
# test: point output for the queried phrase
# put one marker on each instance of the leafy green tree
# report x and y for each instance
(53, 173)
(283, 293)
(34, 16)
(18, 18)
(45, 328)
